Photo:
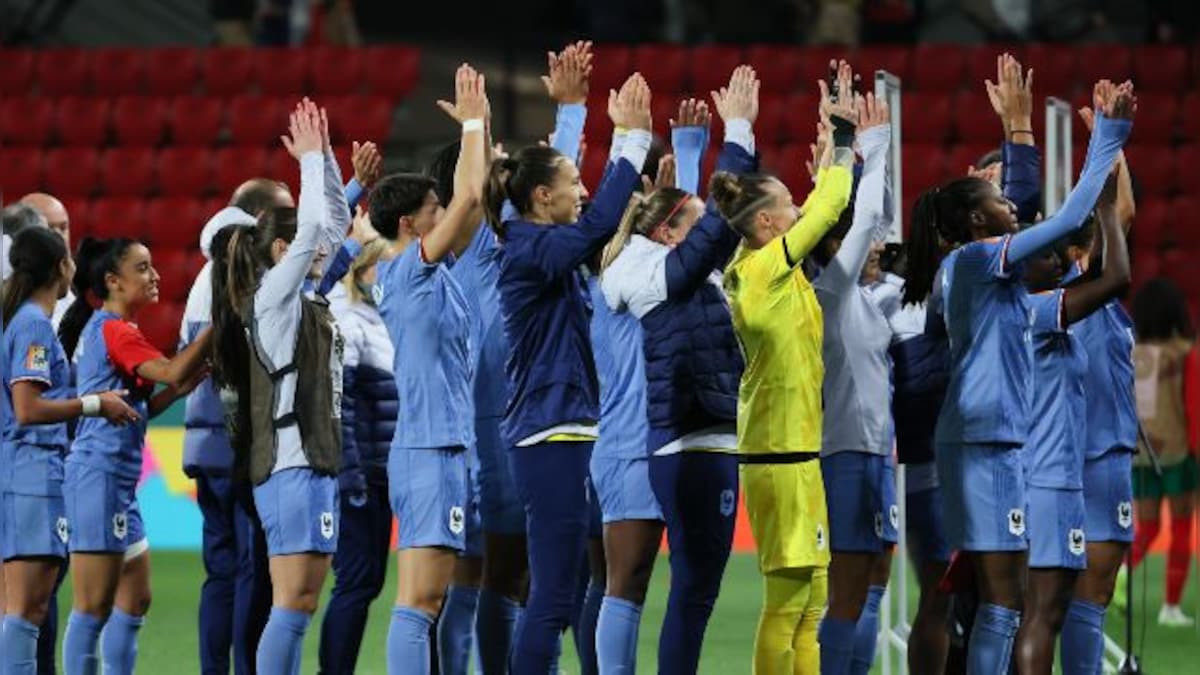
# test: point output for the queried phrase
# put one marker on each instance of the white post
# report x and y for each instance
(887, 88)
(1059, 175)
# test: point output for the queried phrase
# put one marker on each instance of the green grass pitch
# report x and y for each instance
(168, 643)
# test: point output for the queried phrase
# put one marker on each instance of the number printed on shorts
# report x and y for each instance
(727, 503)
(820, 537)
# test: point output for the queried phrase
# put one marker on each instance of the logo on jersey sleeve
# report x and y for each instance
(1125, 515)
(878, 524)
(457, 520)
(62, 529)
(37, 358)
(326, 520)
(1016, 522)
(1076, 541)
(727, 503)
(820, 537)
(894, 516)
(120, 525)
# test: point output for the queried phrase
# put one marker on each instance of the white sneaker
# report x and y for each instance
(1171, 616)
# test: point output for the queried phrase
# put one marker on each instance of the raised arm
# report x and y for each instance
(689, 139)
(1126, 206)
(1011, 96)
(336, 225)
(567, 81)
(367, 164)
(1111, 131)
(453, 234)
(870, 204)
(1081, 299)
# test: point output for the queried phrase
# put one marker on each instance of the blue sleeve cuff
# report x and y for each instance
(568, 129)
(354, 192)
(688, 144)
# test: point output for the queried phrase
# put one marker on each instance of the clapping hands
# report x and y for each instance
(630, 108)
(739, 99)
(308, 130)
(470, 96)
(569, 73)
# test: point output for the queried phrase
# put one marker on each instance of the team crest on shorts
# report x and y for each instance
(894, 516)
(62, 529)
(1125, 515)
(878, 524)
(327, 524)
(457, 520)
(820, 537)
(1076, 541)
(727, 503)
(1016, 522)
(120, 525)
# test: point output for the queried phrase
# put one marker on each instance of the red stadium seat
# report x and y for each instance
(927, 117)
(160, 323)
(1189, 115)
(611, 65)
(280, 166)
(79, 210)
(787, 164)
(360, 118)
(1187, 159)
(227, 71)
(778, 68)
(924, 167)
(1151, 220)
(16, 77)
(72, 171)
(119, 217)
(1157, 118)
(1053, 70)
(235, 165)
(964, 155)
(662, 110)
(196, 120)
(1160, 68)
(21, 172)
(128, 172)
(175, 222)
(981, 63)
(63, 72)
(140, 120)
(174, 281)
(83, 121)
(593, 166)
(1104, 61)
(118, 72)
(336, 71)
(800, 118)
(172, 71)
(186, 171)
(769, 127)
(814, 65)
(973, 118)
(938, 67)
(598, 127)
(1154, 165)
(665, 67)
(392, 71)
(257, 119)
(710, 67)
(26, 121)
(894, 59)
(281, 71)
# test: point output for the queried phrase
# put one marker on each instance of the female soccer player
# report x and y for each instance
(1053, 455)
(428, 319)
(553, 401)
(1165, 346)
(985, 417)
(778, 323)
(856, 448)
(657, 269)
(110, 567)
(281, 352)
(37, 384)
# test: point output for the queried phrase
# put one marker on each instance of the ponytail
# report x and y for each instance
(515, 178)
(36, 254)
(495, 193)
(231, 349)
(739, 198)
(95, 260)
(939, 220)
(637, 205)
(643, 215)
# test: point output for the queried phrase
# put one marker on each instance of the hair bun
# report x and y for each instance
(725, 189)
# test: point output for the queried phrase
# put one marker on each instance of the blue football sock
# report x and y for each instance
(992, 639)
(617, 636)
(79, 644)
(282, 640)
(866, 633)
(19, 653)
(1082, 639)
(495, 620)
(585, 632)
(118, 643)
(408, 641)
(456, 630)
(837, 645)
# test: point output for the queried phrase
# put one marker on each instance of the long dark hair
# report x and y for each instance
(940, 216)
(36, 254)
(1160, 312)
(94, 260)
(515, 178)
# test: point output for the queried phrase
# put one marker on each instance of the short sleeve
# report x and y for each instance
(1047, 310)
(32, 353)
(986, 258)
(127, 347)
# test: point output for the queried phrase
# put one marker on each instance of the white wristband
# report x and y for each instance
(91, 405)
(474, 124)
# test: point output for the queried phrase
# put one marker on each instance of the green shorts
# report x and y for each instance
(1178, 479)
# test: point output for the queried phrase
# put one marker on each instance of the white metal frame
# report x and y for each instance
(1059, 176)
(887, 88)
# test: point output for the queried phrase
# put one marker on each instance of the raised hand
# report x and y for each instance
(692, 113)
(1011, 94)
(361, 229)
(871, 112)
(367, 162)
(306, 131)
(470, 96)
(818, 151)
(844, 107)
(666, 172)
(739, 99)
(569, 73)
(630, 108)
(1122, 103)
